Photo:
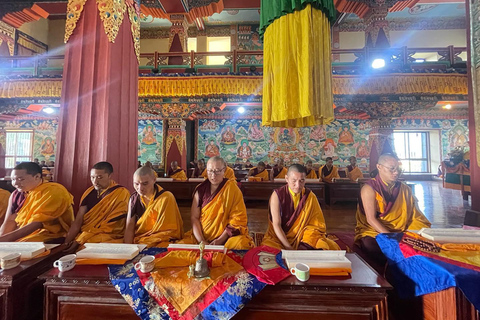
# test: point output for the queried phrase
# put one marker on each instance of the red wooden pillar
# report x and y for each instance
(178, 38)
(99, 103)
(175, 143)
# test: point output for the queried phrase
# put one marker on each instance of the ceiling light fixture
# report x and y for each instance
(48, 110)
(378, 63)
(447, 106)
(241, 109)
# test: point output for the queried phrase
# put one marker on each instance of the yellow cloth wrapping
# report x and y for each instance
(355, 174)
(179, 176)
(204, 174)
(297, 70)
(226, 208)
(333, 174)
(161, 223)
(230, 174)
(281, 174)
(308, 228)
(104, 222)
(52, 205)
(403, 215)
(264, 174)
(4, 196)
(312, 175)
(171, 279)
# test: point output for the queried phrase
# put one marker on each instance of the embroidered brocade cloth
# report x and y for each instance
(167, 292)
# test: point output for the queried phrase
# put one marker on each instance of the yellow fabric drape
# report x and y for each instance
(179, 176)
(52, 205)
(226, 208)
(230, 174)
(4, 196)
(333, 174)
(161, 223)
(308, 228)
(312, 175)
(297, 70)
(104, 222)
(355, 174)
(264, 174)
(402, 216)
(281, 174)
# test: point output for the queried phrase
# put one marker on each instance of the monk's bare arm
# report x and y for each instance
(21, 232)
(76, 225)
(195, 219)
(130, 226)
(277, 221)
(9, 223)
(368, 200)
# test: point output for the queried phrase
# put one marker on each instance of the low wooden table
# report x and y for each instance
(342, 191)
(21, 291)
(182, 190)
(86, 292)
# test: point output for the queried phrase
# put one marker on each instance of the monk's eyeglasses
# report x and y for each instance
(216, 172)
(392, 169)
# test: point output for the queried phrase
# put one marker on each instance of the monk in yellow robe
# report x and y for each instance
(385, 205)
(4, 196)
(259, 172)
(200, 170)
(103, 210)
(278, 171)
(176, 173)
(354, 172)
(37, 211)
(311, 174)
(219, 215)
(230, 174)
(296, 219)
(153, 215)
(328, 172)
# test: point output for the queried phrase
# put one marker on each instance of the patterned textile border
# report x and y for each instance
(202, 86)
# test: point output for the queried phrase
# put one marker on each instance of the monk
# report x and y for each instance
(278, 171)
(153, 216)
(311, 174)
(4, 196)
(37, 211)
(353, 172)
(230, 174)
(103, 209)
(328, 172)
(385, 205)
(259, 172)
(176, 172)
(296, 219)
(219, 215)
(200, 170)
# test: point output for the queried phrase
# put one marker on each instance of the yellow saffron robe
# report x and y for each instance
(333, 174)
(312, 175)
(105, 222)
(52, 205)
(281, 174)
(161, 222)
(309, 226)
(404, 215)
(264, 174)
(4, 196)
(179, 176)
(230, 174)
(355, 174)
(227, 208)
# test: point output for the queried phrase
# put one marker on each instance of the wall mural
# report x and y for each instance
(249, 39)
(150, 141)
(44, 136)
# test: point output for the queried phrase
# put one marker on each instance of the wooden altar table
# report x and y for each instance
(86, 292)
(342, 191)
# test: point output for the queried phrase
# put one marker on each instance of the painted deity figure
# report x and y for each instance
(458, 137)
(212, 149)
(244, 151)
(329, 148)
(48, 147)
(228, 137)
(149, 135)
(318, 133)
(362, 149)
(254, 132)
(345, 136)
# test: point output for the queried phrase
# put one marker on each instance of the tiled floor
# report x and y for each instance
(443, 207)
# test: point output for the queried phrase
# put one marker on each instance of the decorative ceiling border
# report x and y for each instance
(404, 24)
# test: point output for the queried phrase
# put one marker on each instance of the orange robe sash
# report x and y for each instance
(178, 175)
(311, 175)
(328, 177)
(355, 174)
(263, 175)
(279, 174)
(4, 196)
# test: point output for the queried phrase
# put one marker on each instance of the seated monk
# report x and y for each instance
(153, 216)
(37, 211)
(328, 172)
(311, 174)
(230, 174)
(4, 196)
(176, 172)
(219, 215)
(385, 205)
(200, 170)
(259, 172)
(296, 219)
(103, 209)
(354, 172)
(278, 171)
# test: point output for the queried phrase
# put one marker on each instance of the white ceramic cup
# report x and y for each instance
(10, 261)
(301, 271)
(65, 263)
(146, 264)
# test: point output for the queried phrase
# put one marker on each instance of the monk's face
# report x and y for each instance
(144, 185)
(261, 168)
(280, 163)
(24, 181)
(174, 166)
(353, 161)
(215, 172)
(296, 181)
(201, 165)
(329, 163)
(100, 179)
(389, 170)
(309, 166)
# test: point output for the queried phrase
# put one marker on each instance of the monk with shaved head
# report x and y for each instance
(176, 173)
(153, 216)
(296, 219)
(218, 214)
(385, 205)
